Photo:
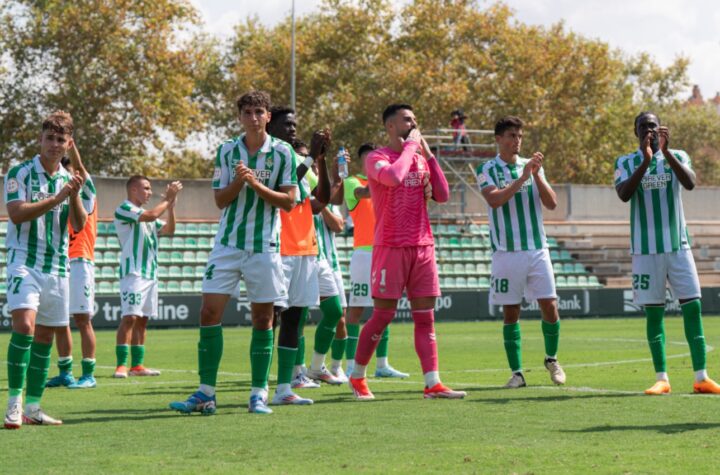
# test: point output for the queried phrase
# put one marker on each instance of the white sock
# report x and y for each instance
(14, 399)
(662, 376)
(701, 375)
(258, 391)
(318, 361)
(350, 363)
(283, 388)
(382, 362)
(335, 364)
(30, 408)
(359, 371)
(297, 370)
(207, 390)
(431, 378)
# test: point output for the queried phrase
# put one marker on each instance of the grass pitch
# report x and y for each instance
(599, 422)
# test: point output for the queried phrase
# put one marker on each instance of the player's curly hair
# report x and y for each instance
(254, 99)
(60, 122)
(508, 122)
(365, 148)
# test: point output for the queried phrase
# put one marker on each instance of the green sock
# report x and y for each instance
(300, 356)
(18, 357)
(65, 364)
(551, 334)
(337, 349)
(382, 348)
(210, 350)
(325, 332)
(692, 318)
(286, 364)
(121, 354)
(261, 349)
(137, 355)
(656, 337)
(37, 371)
(513, 346)
(353, 331)
(88, 366)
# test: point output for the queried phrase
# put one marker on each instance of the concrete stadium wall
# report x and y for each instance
(575, 202)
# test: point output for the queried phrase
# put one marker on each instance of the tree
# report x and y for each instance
(119, 67)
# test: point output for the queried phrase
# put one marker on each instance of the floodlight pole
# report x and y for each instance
(292, 59)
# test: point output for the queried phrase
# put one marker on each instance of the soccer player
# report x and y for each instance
(82, 292)
(360, 208)
(138, 230)
(651, 179)
(254, 178)
(41, 198)
(403, 257)
(515, 189)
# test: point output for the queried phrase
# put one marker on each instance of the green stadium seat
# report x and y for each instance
(100, 242)
(560, 281)
(204, 229)
(472, 282)
(191, 243)
(176, 257)
(477, 242)
(186, 286)
(456, 255)
(467, 255)
(165, 242)
(470, 268)
(554, 255)
(175, 272)
(552, 242)
(214, 227)
(479, 255)
(243, 289)
(447, 269)
(458, 269)
(112, 243)
(189, 257)
(475, 229)
(200, 271)
(484, 282)
(465, 242)
(192, 229)
(108, 272)
(177, 243)
(163, 257)
(99, 257)
(449, 282)
(173, 287)
(111, 257)
(557, 268)
(339, 241)
(3, 287)
(485, 229)
(583, 281)
(453, 242)
(104, 287)
(3, 256)
(197, 286)
(162, 286)
(116, 287)
(441, 229)
(568, 268)
(593, 280)
(202, 257)
(102, 227)
(180, 228)
(461, 283)
(204, 243)
(188, 272)
(111, 229)
(579, 268)
(3, 273)
(163, 272)
(452, 229)
(482, 268)
(565, 255)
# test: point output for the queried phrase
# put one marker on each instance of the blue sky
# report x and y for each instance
(663, 28)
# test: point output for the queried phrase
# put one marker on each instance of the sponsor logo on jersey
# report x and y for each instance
(414, 179)
(656, 182)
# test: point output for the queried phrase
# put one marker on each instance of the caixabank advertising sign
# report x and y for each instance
(184, 310)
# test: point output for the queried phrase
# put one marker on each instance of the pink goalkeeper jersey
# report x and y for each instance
(396, 183)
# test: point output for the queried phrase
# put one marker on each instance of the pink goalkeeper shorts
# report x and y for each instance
(395, 269)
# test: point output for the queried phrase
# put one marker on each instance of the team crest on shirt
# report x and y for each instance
(269, 161)
(12, 185)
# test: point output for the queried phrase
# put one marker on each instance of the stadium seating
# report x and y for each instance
(463, 254)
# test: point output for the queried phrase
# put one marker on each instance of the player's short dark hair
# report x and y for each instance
(254, 99)
(643, 114)
(365, 148)
(134, 179)
(298, 144)
(392, 109)
(280, 111)
(60, 122)
(65, 162)
(508, 122)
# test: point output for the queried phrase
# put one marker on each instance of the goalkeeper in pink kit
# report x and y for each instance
(403, 256)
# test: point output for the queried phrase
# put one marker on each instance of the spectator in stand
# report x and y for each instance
(457, 122)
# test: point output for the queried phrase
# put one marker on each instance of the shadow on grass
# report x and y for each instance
(554, 398)
(677, 428)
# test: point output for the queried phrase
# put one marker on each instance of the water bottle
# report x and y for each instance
(342, 164)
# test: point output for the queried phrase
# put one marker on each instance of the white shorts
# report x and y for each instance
(521, 273)
(360, 264)
(326, 279)
(82, 287)
(651, 273)
(46, 294)
(301, 280)
(262, 272)
(341, 287)
(138, 296)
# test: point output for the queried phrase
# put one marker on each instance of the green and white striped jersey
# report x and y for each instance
(248, 222)
(42, 243)
(657, 221)
(518, 224)
(326, 240)
(138, 241)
